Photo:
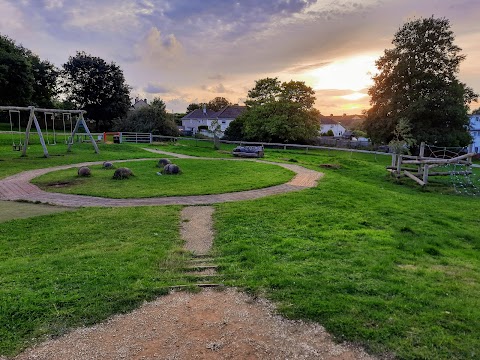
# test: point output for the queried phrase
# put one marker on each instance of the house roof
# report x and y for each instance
(139, 103)
(325, 120)
(228, 112)
(348, 120)
(199, 114)
(231, 112)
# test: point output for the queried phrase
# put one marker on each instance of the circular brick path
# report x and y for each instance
(18, 187)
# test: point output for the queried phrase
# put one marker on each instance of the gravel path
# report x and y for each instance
(209, 325)
(18, 187)
(196, 228)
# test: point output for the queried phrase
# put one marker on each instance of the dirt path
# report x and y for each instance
(208, 325)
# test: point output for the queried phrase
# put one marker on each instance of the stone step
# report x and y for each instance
(201, 267)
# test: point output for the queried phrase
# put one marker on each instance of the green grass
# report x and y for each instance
(11, 162)
(10, 210)
(386, 265)
(78, 268)
(382, 263)
(198, 177)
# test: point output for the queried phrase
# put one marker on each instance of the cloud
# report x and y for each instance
(155, 88)
(216, 77)
(219, 89)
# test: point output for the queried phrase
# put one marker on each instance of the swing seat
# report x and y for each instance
(18, 147)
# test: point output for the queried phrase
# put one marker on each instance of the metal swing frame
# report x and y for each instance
(32, 120)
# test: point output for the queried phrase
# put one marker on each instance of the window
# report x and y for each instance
(224, 122)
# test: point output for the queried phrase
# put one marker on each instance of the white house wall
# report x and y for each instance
(475, 132)
(337, 129)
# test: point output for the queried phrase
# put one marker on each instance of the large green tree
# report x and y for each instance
(277, 112)
(149, 119)
(98, 87)
(25, 79)
(417, 82)
(218, 103)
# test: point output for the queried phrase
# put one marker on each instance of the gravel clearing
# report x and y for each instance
(211, 324)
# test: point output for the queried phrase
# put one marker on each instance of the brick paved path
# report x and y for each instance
(18, 187)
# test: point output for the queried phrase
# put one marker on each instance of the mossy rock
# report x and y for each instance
(171, 169)
(84, 171)
(122, 173)
(108, 165)
(163, 162)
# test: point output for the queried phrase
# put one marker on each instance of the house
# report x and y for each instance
(475, 132)
(139, 103)
(327, 123)
(201, 120)
(349, 121)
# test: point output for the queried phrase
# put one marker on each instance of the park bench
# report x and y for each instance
(248, 151)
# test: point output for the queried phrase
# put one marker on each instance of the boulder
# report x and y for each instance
(84, 171)
(171, 169)
(163, 162)
(107, 165)
(122, 173)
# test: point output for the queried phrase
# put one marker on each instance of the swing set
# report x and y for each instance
(50, 137)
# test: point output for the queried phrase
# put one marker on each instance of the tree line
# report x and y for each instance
(84, 82)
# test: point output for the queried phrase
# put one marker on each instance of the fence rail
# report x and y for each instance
(270, 145)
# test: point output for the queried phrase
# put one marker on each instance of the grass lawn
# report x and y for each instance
(11, 161)
(386, 265)
(198, 177)
(10, 210)
(378, 262)
(78, 268)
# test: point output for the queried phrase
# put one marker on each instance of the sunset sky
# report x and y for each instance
(188, 51)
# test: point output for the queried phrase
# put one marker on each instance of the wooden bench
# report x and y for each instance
(248, 151)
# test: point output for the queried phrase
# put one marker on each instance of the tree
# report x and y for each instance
(192, 107)
(149, 119)
(278, 112)
(417, 81)
(97, 87)
(16, 76)
(218, 103)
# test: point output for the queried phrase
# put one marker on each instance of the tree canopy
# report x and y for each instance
(417, 82)
(149, 119)
(97, 87)
(277, 112)
(193, 106)
(218, 103)
(25, 79)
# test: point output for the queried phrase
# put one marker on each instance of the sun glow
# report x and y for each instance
(354, 73)
(354, 96)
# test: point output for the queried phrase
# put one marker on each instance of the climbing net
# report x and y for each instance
(464, 177)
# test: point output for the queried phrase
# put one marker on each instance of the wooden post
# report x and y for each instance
(394, 160)
(399, 164)
(425, 174)
(422, 150)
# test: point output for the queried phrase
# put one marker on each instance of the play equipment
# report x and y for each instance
(32, 120)
(17, 146)
(68, 139)
(453, 162)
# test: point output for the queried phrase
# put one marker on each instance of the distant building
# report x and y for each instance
(349, 121)
(139, 103)
(200, 120)
(327, 123)
(475, 132)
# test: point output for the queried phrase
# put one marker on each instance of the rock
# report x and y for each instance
(163, 162)
(171, 169)
(107, 165)
(122, 173)
(84, 171)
